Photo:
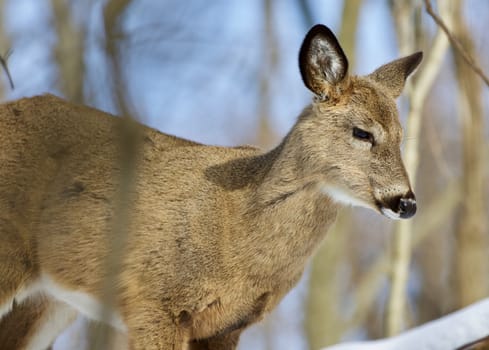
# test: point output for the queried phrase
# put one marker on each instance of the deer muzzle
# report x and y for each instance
(407, 207)
(400, 207)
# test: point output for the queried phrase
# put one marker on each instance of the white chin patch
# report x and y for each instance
(390, 214)
(341, 196)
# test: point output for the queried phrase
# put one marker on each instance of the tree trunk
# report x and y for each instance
(418, 90)
(69, 51)
(323, 319)
(472, 236)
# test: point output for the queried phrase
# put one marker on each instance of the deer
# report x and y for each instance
(217, 235)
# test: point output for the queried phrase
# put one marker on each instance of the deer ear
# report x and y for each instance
(393, 75)
(321, 61)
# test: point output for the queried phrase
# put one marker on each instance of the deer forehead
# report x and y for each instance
(375, 99)
(366, 105)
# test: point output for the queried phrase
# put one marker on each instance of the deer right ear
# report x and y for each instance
(393, 75)
(322, 61)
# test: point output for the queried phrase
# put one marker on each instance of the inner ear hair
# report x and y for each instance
(322, 62)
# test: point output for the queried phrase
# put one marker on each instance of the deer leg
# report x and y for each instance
(17, 267)
(156, 331)
(35, 323)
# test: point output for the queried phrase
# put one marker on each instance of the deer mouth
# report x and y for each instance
(399, 207)
(390, 214)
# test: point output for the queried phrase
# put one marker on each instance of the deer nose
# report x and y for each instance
(407, 206)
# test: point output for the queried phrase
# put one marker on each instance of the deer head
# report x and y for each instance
(351, 134)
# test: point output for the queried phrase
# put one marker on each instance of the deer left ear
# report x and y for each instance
(393, 75)
(322, 61)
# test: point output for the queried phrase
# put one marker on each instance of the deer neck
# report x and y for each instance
(288, 211)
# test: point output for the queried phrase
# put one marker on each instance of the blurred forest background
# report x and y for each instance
(225, 72)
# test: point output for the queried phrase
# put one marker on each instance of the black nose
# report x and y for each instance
(407, 206)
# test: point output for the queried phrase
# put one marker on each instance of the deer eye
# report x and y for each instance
(363, 135)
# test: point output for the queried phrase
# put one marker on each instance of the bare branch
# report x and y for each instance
(456, 43)
(3, 63)
(4, 42)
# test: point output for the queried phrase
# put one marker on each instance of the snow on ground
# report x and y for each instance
(446, 333)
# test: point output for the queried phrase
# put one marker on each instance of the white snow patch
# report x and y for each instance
(449, 332)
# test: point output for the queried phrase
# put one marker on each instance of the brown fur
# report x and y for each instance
(217, 235)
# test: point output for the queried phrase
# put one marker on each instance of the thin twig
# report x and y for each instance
(3, 63)
(456, 43)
